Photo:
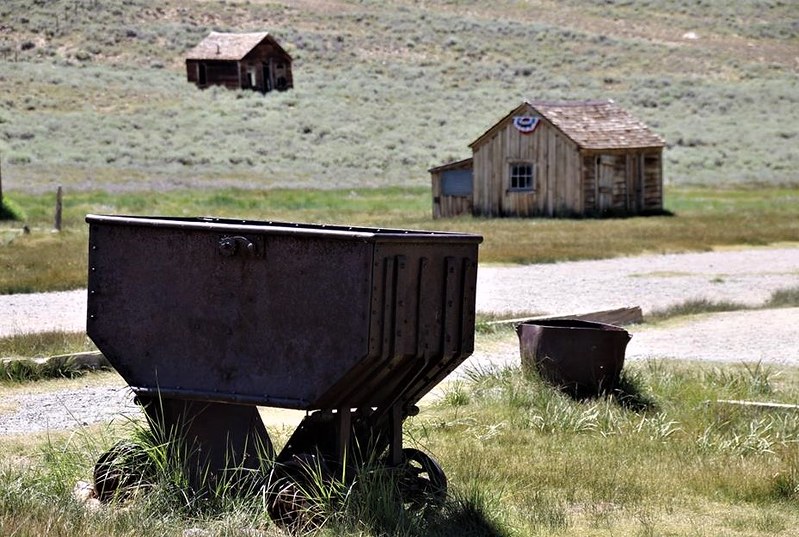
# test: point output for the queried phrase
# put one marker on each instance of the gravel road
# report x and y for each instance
(748, 276)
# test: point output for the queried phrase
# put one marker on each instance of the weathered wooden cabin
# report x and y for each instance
(240, 61)
(548, 158)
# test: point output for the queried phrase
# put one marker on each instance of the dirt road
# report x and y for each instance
(652, 282)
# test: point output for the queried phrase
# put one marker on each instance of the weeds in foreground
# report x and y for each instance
(42, 344)
(521, 457)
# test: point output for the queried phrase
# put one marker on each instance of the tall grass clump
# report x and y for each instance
(602, 461)
(784, 298)
(781, 298)
(695, 307)
(42, 344)
(521, 458)
(9, 210)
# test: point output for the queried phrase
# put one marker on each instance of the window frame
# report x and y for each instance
(513, 175)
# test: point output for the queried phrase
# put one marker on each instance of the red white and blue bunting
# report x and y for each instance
(526, 124)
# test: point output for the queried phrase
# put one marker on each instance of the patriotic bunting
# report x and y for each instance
(526, 124)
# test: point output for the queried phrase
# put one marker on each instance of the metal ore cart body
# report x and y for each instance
(208, 318)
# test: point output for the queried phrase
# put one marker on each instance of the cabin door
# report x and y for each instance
(202, 74)
(605, 175)
(268, 86)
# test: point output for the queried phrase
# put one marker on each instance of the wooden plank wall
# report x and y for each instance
(634, 178)
(590, 186)
(266, 52)
(447, 206)
(222, 73)
(557, 165)
(653, 181)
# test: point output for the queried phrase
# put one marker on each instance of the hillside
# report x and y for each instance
(94, 93)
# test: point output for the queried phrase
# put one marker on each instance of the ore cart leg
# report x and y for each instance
(395, 436)
(216, 441)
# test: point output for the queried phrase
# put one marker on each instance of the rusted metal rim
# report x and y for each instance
(328, 231)
(572, 324)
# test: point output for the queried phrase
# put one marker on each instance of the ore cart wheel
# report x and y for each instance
(120, 471)
(290, 489)
(422, 481)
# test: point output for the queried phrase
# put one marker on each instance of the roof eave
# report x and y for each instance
(452, 165)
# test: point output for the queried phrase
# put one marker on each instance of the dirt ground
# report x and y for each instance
(748, 276)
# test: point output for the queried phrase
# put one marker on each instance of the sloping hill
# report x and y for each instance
(94, 93)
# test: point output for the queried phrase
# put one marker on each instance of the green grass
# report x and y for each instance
(45, 355)
(522, 459)
(10, 210)
(44, 344)
(704, 219)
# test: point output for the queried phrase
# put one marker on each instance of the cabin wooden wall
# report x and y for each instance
(624, 182)
(217, 73)
(653, 180)
(269, 54)
(557, 169)
(445, 206)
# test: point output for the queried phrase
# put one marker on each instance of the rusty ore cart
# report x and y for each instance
(208, 318)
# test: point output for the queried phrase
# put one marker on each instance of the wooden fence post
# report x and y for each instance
(58, 206)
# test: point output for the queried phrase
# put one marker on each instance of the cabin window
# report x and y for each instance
(522, 176)
(456, 183)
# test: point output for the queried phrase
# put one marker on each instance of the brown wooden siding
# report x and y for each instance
(590, 186)
(450, 205)
(622, 182)
(220, 73)
(557, 168)
(267, 58)
(447, 206)
(653, 181)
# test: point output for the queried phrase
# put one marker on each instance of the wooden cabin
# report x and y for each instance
(546, 158)
(240, 61)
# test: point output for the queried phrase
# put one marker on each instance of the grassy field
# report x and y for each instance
(660, 458)
(95, 97)
(703, 218)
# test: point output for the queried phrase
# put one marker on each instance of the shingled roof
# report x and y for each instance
(223, 46)
(598, 124)
(591, 124)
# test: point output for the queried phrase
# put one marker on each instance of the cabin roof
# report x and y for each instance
(590, 124)
(456, 165)
(227, 46)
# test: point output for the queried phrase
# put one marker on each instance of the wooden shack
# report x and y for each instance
(240, 61)
(546, 158)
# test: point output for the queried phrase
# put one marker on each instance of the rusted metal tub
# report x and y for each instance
(583, 358)
(208, 318)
